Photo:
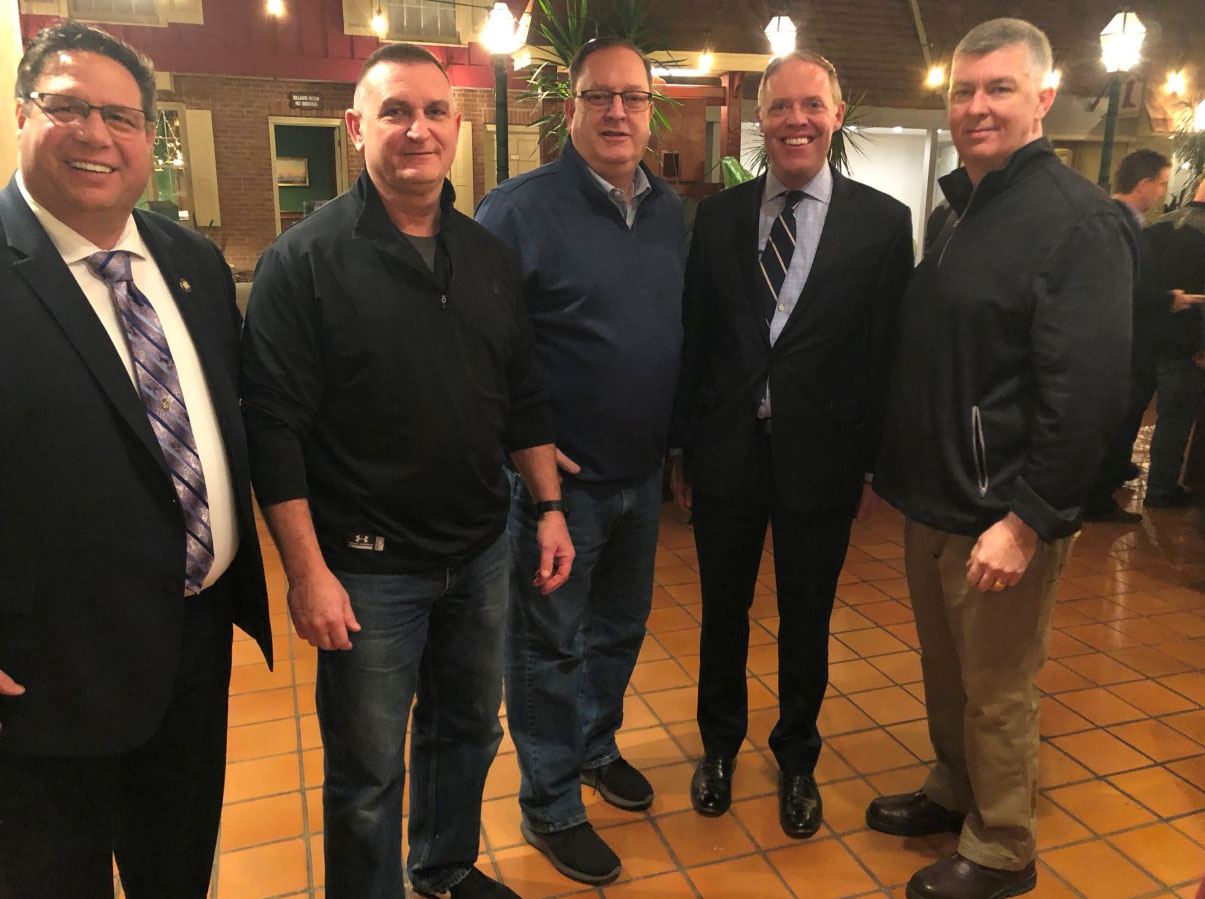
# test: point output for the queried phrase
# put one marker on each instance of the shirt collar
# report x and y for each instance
(640, 184)
(819, 188)
(72, 245)
(1135, 215)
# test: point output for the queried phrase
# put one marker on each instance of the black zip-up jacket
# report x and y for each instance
(385, 393)
(1014, 353)
(1174, 256)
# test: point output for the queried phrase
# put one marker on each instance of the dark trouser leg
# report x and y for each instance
(729, 536)
(1180, 388)
(809, 550)
(170, 796)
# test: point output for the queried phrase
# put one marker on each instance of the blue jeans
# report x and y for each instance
(439, 635)
(571, 653)
(1181, 385)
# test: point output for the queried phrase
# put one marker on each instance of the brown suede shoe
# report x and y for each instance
(911, 815)
(960, 878)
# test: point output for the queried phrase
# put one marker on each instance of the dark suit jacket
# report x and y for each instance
(827, 367)
(91, 536)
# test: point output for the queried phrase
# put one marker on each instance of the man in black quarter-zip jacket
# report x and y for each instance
(1012, 370)
(388, 369)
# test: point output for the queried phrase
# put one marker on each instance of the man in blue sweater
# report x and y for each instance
(600, 242)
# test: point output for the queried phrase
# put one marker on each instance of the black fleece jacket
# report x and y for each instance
(1013, 360)
(385, 393)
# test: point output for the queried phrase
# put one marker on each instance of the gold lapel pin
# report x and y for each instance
(185, 286)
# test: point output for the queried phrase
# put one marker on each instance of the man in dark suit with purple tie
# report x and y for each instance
(127, 541)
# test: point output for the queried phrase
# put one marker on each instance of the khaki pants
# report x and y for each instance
(980, 653)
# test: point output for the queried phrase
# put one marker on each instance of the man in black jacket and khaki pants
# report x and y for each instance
(1010, 376)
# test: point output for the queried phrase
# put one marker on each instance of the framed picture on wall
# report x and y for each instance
(292, 171)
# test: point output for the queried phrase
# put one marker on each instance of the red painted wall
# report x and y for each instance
(240, 38)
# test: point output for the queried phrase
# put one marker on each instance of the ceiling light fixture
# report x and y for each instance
(782, 34)
(936, 77)
(1121, 42)
(276, 8)
(380, 24)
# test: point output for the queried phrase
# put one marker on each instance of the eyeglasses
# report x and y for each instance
(68, 110)
(633, 101)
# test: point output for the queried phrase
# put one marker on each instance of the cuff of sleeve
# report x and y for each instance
(530, 428)
(277, 466)
(1048, 522)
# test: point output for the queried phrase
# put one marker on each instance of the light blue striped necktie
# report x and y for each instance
(159, 387)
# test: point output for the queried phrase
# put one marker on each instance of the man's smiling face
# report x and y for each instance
(797, 116)
(405, 124)
(84, 174)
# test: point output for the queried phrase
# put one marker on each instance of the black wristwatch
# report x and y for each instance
(549, 505)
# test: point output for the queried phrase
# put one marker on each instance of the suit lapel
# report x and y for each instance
(748, 251)
(838, 224)
(52, 283)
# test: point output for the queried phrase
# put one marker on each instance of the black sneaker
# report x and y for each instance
(620, 784)
(474, 885)
(578, 853)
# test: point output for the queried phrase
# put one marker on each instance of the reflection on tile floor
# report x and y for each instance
(1123, 755)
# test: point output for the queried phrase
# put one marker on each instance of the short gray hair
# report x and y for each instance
(800, 56)
(996, 34)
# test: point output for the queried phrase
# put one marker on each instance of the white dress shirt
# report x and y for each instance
(75, 249)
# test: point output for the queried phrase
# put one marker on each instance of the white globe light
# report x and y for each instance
(498, 33)
(1121, 42)
(781, 32)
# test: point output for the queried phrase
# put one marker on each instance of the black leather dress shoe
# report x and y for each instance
(911, 815)
(799, 807)
(711, 785)
(960, 878)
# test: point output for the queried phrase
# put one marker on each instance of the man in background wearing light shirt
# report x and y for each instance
(127, 543)
(791, 291)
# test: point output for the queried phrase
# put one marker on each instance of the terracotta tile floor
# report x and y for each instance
(1123, 752)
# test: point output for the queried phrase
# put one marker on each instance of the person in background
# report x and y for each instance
(1140, 185)
(1173, 282)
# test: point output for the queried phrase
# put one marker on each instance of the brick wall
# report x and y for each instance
(240, 108)
(687, 135)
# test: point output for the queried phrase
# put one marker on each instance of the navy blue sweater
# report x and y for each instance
(606, 303)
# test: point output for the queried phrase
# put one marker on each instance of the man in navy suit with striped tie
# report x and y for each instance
(791, 290)
(127, 539)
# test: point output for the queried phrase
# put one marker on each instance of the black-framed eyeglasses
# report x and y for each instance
(633, 101)
(68, 110)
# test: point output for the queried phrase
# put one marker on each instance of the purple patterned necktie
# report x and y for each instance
(159, 387)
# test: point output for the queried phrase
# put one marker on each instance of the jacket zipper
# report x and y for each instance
(979, 450)
(957, 222)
